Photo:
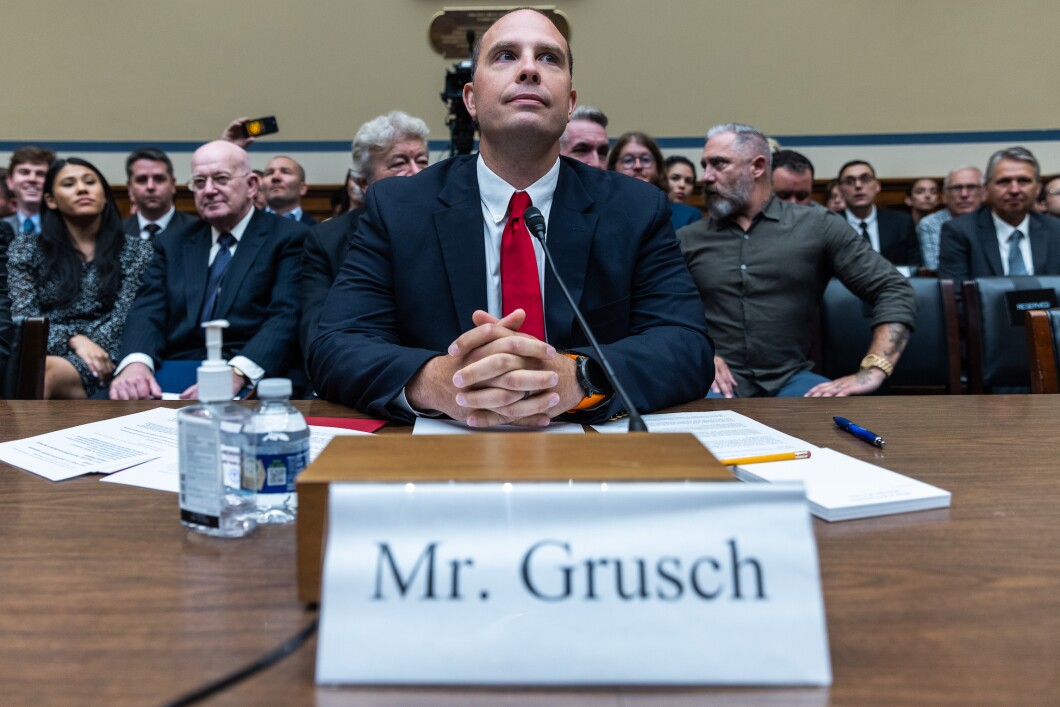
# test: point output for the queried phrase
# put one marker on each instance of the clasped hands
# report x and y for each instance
(495, 375)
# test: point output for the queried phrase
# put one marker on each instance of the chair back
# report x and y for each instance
(24, 373)
(931, 360)
(997, 345)
(1042, 327)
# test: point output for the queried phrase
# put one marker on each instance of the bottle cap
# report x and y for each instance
(272, 388)
(214, 375)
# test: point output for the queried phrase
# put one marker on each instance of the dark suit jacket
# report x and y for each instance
(968, 246)
(307, 219)
(898, 241)
(416, 271)
(259, 295)
(326, 246)
(132, 224)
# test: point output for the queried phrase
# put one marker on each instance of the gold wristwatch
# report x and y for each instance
(877, 361)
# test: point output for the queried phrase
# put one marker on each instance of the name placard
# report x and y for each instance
(571, 584)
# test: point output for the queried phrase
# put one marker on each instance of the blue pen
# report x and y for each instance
(859, 432)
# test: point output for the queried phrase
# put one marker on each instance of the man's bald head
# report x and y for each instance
(224, 183)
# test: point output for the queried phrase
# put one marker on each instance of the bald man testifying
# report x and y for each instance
(238, 263)
(444, 306)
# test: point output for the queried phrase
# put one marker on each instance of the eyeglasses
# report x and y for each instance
(222, 179)
(860, 179)
(628, 161)
(955, 188)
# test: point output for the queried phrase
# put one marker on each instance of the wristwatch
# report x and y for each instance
(877, 361)
(592, 380)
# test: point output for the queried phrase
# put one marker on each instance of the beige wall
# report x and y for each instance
(146, 70)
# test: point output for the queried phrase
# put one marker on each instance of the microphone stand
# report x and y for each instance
(535, 223)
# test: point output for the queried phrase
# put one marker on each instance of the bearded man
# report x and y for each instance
(761, 266)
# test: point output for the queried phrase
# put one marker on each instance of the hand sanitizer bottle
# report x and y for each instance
(210, 440)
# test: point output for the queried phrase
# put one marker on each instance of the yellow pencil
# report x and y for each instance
(786, 456)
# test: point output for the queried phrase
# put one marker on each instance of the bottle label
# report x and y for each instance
(200, 483)
(276, 473)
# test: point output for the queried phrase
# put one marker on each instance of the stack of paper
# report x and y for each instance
(840, 487)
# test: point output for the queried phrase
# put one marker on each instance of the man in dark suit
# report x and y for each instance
(438, 307)
(392, 145)
(25, 178)
(283, 182)
(891, 233)
(238, 264)
(1006, 236)
(152, 187)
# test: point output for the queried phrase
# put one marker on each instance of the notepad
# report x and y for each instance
(840, 487)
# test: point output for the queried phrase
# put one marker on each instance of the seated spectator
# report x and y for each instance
(1005, 237)
(962, 193)
(239, 264)
(680, 178)
(1049, 197)
(392, 145)
(793, 179)
(585, 137)
(152, 188)
(762, 265)
(25, 177)
(637, 155)
(922, 198)
(283, 182)
(890, 233)
(833, 198)
(259, 196)
(82, 273)
(347, 197)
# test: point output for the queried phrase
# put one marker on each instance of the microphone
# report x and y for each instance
(535, 223)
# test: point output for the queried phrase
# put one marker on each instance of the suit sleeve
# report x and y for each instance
(954, 255)
(316, 281)
(145, 326)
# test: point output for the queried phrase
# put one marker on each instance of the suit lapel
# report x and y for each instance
(246, 253)
(1039, 245)
(458, 227)
(196, 251)
(570, 236)
(988, 242)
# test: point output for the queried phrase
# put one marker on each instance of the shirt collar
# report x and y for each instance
(35, 218)
(497, 193)
(856, 222)
(162, 223)
(294, 214)
(240, 227)
(1004, 229)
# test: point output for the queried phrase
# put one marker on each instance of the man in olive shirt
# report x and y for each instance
(761, 266)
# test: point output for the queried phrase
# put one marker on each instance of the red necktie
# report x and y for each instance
(520, 286)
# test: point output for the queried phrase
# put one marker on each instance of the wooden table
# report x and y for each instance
(107, 600)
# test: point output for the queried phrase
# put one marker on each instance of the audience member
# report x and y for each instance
(585, 137)
(1005, 236)
(922, 198)
(82, 273)
(793, 179)
(392, 145)
(7, 197)
(1049, 197)
(426, 316)
(152, 188)
(890, 233)
(347, 197)
(259, 195)
(638, 155)
(762, 264)
(239, 264)
(833, 198)
(962, 193)
(25, 178)
(284, 184)
(680, 178)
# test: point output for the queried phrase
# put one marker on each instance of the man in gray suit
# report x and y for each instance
(152, 188)
(25, 178)
(1005, 237)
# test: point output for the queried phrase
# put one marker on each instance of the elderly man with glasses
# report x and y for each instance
(239, 264)
(962, 193)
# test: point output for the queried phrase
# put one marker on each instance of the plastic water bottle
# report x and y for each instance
(277, 439)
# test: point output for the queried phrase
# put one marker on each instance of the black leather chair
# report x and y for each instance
(994, 310)
(24, 372)
(931, 360)
(1042, 327)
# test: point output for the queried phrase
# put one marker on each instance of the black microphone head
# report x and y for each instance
(535, 222)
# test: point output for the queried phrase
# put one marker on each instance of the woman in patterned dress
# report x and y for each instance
(82, 273)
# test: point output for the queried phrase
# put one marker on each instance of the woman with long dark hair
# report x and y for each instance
(82, 273)
(638, 155)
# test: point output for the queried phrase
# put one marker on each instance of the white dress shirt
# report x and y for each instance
(1004, 232)
(872, 225)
